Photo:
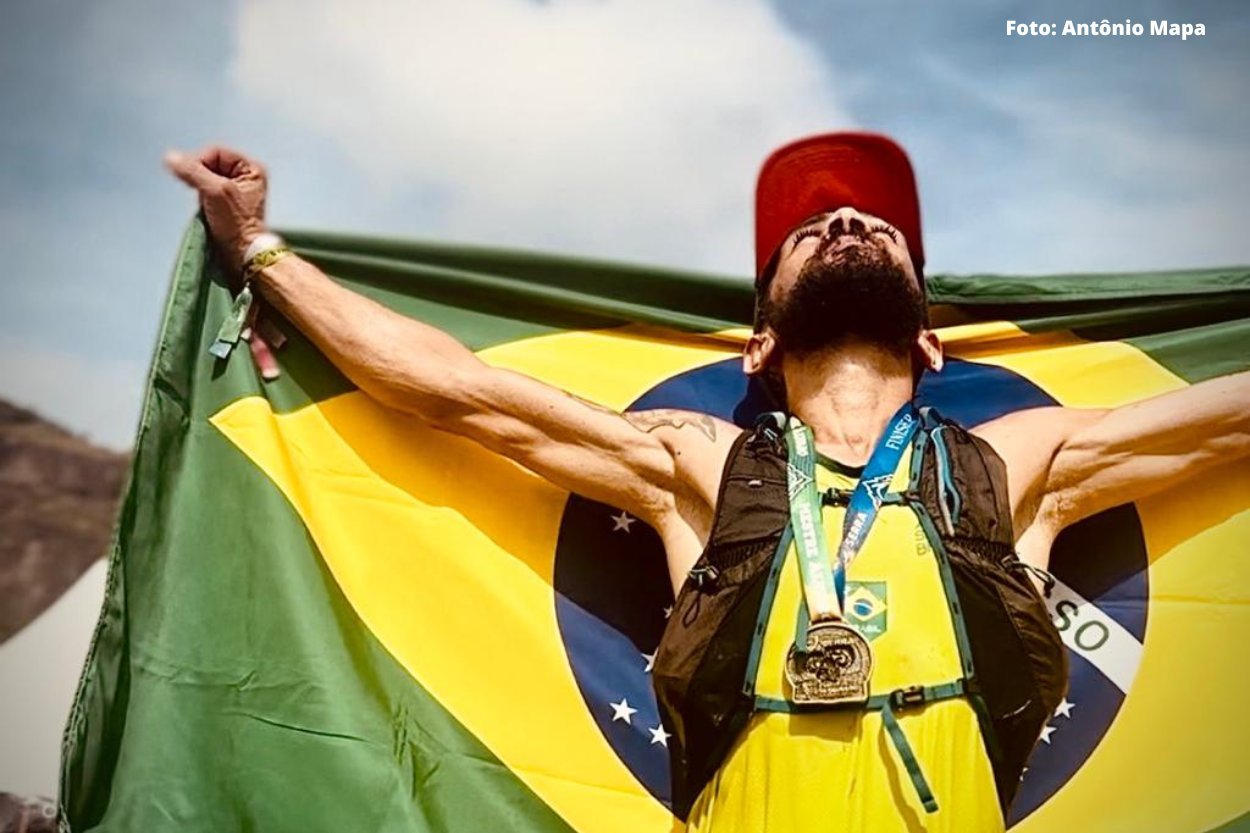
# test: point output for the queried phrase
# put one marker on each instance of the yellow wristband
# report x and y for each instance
(268, 257)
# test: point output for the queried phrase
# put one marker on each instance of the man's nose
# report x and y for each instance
(846, 221)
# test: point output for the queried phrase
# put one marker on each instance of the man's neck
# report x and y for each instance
(847, 395)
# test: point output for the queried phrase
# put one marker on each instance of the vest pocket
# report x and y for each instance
(1018, 656)
(702, 660)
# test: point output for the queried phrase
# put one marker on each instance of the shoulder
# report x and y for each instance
(1027, 442)
(1033, 432)
(669, 422)
(699, 443)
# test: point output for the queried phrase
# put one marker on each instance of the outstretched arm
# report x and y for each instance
(1065, 464)
(1129, 452)
(658, 466)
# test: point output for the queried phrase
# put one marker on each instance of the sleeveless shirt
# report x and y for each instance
(837, 770)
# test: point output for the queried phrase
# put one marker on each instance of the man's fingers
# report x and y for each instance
(263, 356)
(228, 162)
(190, 170)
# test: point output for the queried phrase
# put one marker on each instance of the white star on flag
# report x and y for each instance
(1047, 732)
(622, 521)
(650, 658)
(622, 711)
(658, 735)
(1065, 709)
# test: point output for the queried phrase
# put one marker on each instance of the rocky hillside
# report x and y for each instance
(58, 494)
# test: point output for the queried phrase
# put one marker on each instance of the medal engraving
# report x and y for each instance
(835, 668)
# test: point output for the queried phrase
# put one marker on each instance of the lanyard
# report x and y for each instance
(824, 586)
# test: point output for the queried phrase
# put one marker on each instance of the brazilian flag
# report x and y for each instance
(323, 615)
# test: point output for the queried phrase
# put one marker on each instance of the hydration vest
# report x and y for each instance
(1013, 662)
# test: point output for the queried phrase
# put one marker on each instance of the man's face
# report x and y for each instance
(843, 276)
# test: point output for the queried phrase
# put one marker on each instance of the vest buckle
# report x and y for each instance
(902, 698)
(703, 575)
(834, 496)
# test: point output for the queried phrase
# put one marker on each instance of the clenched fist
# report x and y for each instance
(232, 190)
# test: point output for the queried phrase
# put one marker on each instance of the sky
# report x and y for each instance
(624, 129)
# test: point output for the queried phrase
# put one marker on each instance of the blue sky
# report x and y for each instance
(627, 129)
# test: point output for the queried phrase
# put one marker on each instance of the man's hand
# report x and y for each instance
(232, 190)
(661, 467)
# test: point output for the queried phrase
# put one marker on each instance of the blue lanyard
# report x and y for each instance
(824, 586)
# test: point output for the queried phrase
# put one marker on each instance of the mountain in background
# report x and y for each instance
(58, 496)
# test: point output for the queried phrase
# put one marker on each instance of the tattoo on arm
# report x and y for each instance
(650, 420)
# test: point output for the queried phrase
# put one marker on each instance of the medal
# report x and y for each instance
(834, 666)
(830, 662)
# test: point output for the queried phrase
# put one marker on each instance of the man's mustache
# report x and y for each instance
(829, 242)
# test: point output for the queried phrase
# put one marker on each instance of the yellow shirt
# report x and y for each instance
(836, 771)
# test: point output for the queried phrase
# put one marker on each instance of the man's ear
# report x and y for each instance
(758, 350)
(929, 348)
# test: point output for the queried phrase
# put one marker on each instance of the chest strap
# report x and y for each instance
(898, 700)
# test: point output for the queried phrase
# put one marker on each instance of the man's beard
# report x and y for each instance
(859, 294)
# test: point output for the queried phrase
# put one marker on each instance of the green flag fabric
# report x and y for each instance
(324, 615)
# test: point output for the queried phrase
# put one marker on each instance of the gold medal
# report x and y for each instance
(835, 667)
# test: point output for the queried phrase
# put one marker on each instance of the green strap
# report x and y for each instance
(897, 700)
(766, 606)
(802, 622)
(899, 738)
(929, 528)
(900, 699)
(803, 619)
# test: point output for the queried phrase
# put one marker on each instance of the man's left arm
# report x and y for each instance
(1126, 453)
(1065, 464)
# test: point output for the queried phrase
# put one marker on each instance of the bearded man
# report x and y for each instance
(784, 716)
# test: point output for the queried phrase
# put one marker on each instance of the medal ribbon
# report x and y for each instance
(824, 585)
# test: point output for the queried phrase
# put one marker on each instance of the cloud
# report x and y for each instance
(1089, 182)
(622, 128)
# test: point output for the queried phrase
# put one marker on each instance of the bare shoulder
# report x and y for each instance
(699, 446)
(699, 443)
(1011, 427)
(1021, 436)
(1027, 441)
(657, 420)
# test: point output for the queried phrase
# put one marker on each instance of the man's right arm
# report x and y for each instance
(662, 467)
(646, 463)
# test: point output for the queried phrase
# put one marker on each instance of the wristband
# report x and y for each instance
(261, 242)
(262, 259)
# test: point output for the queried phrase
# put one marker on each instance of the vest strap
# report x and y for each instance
(898, 700)
(899, 738)
(928, 427)
(766, 607)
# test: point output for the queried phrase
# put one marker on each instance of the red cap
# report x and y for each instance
(823, 173)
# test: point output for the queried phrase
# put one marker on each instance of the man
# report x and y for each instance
(827, 732)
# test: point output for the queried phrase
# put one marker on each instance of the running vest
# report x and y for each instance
(1013, 667)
